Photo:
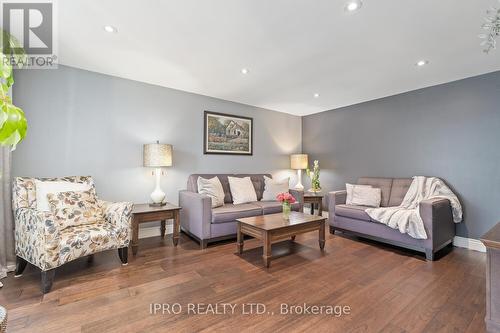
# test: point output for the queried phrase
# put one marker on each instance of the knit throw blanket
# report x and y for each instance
(406, 217)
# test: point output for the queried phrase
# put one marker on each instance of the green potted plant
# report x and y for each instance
(13, 123)
(314, 175)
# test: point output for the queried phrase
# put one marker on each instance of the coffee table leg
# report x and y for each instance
(322, 236)
(293, 238)
(312, 208)
(239, 241)
(267, 249)
(320, 208)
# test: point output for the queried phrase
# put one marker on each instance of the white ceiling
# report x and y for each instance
(292, 48)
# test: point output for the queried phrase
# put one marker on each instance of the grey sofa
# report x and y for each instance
(435, 213)
(207, 224)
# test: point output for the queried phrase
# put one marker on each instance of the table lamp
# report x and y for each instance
(157, 155)
(298, 162)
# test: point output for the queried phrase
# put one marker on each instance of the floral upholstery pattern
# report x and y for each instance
(75, 208)
(41, 241)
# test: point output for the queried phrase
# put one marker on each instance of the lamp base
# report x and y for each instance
(160, 204)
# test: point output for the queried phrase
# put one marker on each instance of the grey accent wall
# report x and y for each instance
(85, 123)
(451, 131)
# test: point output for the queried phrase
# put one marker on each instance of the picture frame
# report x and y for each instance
(227, 134)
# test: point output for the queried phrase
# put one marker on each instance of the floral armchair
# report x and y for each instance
(43, 243)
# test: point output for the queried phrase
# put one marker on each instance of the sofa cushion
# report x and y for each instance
(384, 184)
(353, 212)
(231, 212)
(273, 207)
(399, 188)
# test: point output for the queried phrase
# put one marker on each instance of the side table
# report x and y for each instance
(492, 242)
(3, 320)
(145, 213)
(315, 199)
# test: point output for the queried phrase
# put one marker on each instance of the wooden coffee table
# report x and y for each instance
(274, 227)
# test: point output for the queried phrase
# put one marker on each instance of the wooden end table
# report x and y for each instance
(273, 227)
(145, 213)
(492, 242)
(315, 199)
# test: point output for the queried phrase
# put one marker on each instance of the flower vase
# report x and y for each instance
(287, 208)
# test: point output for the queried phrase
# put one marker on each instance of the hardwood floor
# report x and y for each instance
(387, 289)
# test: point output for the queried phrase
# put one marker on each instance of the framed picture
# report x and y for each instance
(227, 134)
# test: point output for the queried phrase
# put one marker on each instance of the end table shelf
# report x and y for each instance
(145, 213)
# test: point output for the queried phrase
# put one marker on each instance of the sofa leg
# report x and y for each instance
(429, 255)
(203, 244)
(332, 230)
(20, 266)
(47, 280)
(123, 254)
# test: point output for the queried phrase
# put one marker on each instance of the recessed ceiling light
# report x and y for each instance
(353, 5)
(421, 63)
(316, 95)
(110, 28)
(244, 71)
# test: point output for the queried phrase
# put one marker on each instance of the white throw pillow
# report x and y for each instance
(54, 187)
(366, 196)
(349, 188)
(213, 188)
(272, 188)
(242, 190)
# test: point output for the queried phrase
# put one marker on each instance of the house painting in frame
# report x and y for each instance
(227, 134)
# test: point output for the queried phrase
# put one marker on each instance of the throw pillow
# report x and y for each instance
(213, 188)
(44, 188)
(75, 208)
(272, 188)
(242, 190)
(349, 188)
(366, 196)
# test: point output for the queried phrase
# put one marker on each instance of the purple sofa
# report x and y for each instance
(206, 224)
(435, 213)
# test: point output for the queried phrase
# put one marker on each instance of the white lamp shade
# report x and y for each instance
(298, 161)
(157, 155)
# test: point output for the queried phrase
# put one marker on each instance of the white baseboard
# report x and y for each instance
(154, 231)
(469, 243)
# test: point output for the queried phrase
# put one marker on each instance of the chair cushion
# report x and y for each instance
(353, 212)
(87, 239)
(273, 207)
(74, 208)
(384, 184)
(231, 212)
(399, 188)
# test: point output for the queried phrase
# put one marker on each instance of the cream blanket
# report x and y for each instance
(406, 217)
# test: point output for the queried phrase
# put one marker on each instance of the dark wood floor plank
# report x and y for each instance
(387, 289)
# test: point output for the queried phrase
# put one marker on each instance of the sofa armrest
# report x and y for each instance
(299, 196)
(37, 237)
(196, 213)
(438, 220)
(335, 198)
(120, 215)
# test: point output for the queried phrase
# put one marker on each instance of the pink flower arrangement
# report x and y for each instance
(285, 197)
